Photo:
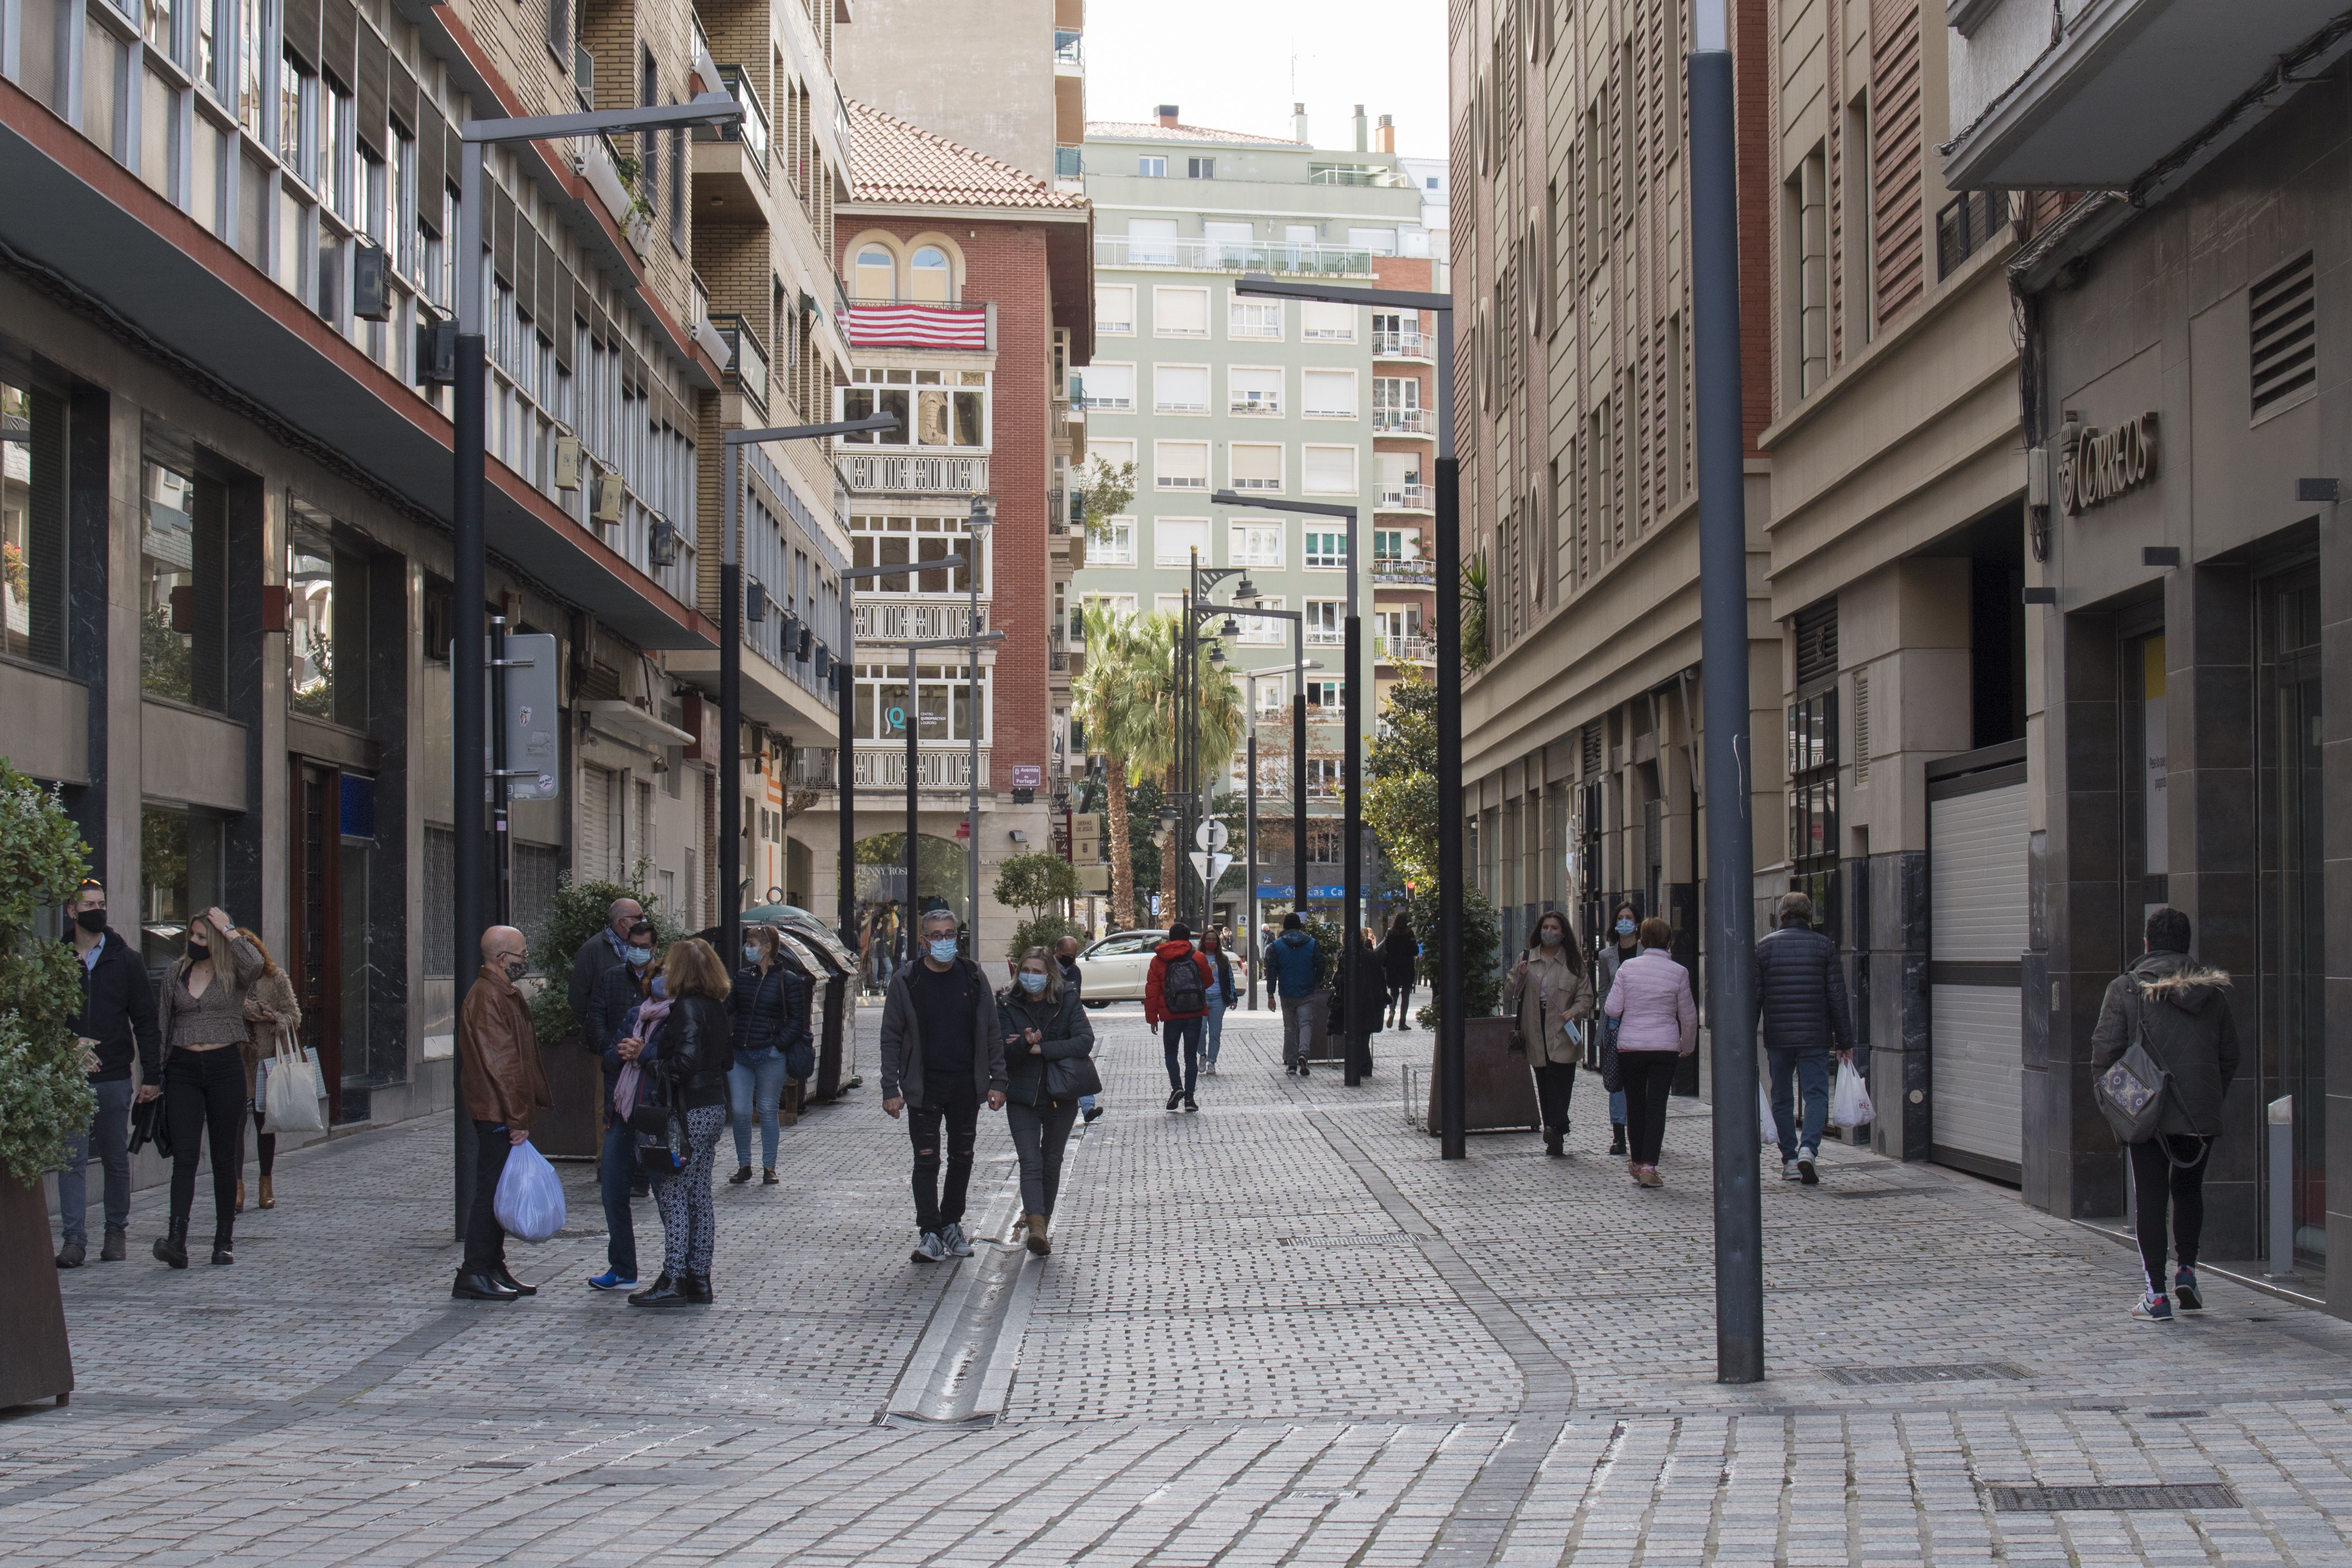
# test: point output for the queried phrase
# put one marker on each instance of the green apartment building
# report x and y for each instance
(1204, 390)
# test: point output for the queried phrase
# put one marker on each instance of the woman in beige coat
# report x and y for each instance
(270, 1006)
(1550, 994)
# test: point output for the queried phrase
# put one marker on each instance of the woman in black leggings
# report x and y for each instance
(201, 1015)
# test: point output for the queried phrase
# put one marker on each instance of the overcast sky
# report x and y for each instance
(1238, 65)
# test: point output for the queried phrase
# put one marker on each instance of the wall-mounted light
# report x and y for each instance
(1018, 837)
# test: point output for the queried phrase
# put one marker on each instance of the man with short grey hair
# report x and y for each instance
(941, 1056)
(1801, 1016)
(608, 947)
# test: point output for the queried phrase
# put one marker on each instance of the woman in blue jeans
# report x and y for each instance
(1221, 996)
(769, 1009)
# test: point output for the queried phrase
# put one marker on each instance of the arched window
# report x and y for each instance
(877, 274)
(932, 279)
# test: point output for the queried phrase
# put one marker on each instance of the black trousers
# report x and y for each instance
(1555, 1084)
(939, 1203)
(2157, 1181)
(1648, 1077)
(1040, 1133)
(204, 1101)
(485, 1239)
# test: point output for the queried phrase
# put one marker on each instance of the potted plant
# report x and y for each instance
(44, 1096)
(576, 1076)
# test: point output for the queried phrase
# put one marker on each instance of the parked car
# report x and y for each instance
(1114, 969)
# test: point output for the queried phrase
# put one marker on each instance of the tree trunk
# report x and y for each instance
(1122, 861)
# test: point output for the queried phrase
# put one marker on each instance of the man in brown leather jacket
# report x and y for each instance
(501, 1087)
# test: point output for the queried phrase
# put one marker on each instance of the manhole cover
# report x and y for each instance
(2062, 1499)
(1953, 1371)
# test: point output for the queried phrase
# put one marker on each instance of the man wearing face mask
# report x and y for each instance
(117, 1019)
(501, 1089)
(941, 1056)
(615, 992)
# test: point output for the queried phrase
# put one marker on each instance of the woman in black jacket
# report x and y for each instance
(1043, 1023)
(1399, 955)
(770, 1006)
(691, 1059)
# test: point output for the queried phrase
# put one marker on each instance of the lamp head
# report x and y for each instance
(1231, 628)
(1245, 589)
(1217, 651)
(981, 516)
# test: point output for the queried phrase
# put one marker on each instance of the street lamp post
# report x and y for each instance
(1358, 1047)
(468, 564)
(1197, 608)
(1453, 1142)
(1296, 671)
(978, 523)
(971, 645)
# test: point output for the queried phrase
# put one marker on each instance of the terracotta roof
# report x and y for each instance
(1152, 130)
(893, 160)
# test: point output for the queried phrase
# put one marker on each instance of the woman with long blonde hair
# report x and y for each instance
(270, 1006)
(201, 1015)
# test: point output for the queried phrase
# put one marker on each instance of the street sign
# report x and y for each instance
(1209, 864)
(1211, 835)
(532, 721)
(1028, 775)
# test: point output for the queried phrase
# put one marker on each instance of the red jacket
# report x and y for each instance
(1155, 982)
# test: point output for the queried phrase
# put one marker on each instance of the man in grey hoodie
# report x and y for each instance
(2176, 1008)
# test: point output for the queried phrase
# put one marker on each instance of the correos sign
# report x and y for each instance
(2097, 466)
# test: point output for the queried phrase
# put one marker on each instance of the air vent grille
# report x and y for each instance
(2283, 338)
(1592, 748)
(1817, 645)
(1861, 726)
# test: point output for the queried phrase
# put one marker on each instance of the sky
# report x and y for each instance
(1238, 65)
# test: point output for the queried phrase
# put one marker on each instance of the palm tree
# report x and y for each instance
(1110, 697)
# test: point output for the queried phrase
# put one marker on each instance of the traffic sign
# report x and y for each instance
(1210, 866)
(1211, 835)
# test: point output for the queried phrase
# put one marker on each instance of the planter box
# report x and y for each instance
(574, 1128)
(38, 1364)
(596, 166)
(1498, 1091)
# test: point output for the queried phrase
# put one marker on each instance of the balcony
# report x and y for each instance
(917, 622)
(880, 473)
(1258, 403)
(747, 358)
(1409, 344)
(752, 132)
(882, 765)
(1325, 637)
(813, 767)
(1069, 51)
(1405, 651)
(730, 161)
(1965, 225)
(1069, 162)
(955, 325)
(1400, 422)
(1230, 255)
(1392, 572)
(1404, 498)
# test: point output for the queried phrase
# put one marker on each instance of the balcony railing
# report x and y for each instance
(883, 765)
(888, 622)
(752, 130)
(1325, 637)
(1405, 651)
(1964, 225)
(1404, 498)
(1068, 162)
(1269, 402)
(1392, 570)
(907, 474)
(747, 357)
(1400, 421)
(1069, 45)
(814, 767)
(959, 325)
(1410, 343)
(1232, 255)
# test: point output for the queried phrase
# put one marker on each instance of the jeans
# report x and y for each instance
(485, 1239)
(2156, 1180)
(1186, 1033)
(1616, 1108)
(689, 1222)
(110, 1134)
(1649, 1079)
(940, 1204)
(616, 1173)
(1213, 1036)
(1040, 1132)
(755, 1082)
(1810, 1068)
(1555, 1086)
(204, 1101)
(1296, 1025)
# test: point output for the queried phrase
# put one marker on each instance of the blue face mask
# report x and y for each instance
(1031, 983)
(1624, 928)
(943, 949)
(661, 987)
(641, 956)
(750, 952)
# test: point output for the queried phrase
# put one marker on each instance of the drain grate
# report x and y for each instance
(1950, 1372)
(2062, 1499)
(499, 1465)
(1888, 1192)
(1389, 1238)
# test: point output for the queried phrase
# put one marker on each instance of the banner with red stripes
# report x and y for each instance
(917, 327)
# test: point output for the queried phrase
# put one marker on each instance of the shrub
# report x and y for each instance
(1482, 939)
(576, 912)
(1044, 930)
(45, 1095)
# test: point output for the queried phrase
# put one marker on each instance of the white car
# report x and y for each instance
(1115, 969)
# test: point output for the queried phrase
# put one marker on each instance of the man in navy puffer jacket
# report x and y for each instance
(1801, 1016)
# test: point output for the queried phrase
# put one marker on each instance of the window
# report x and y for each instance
(1180, 388)
(1326, 321)
(297, 101)
(326, 629)
(1327, 549)
(943, 408)
(1199, 168)
(181, 568)
(1328, 470)
(1113, 544)
(1116, 453)
(1329, 394)
(1174, 540)
(1179, 465)
(1254, 544)
(1813, 796)
(559, 31)
(1151, 168)
(1152, 241)
(929, 277)
(1324, 620)
(1109, 386)
(1378, 241)
(404, 197)
(1388, 544)
(942, 710)
(1253, 389)
(1115, 310)
(1253, 467)
(1258, 631)
(893, 540)
(1179, 312)
(180, 873)
(1330, 695)
(1254, 318)
(1169, 604)
(33, 526)
(336, 147)
(1227, 242)
(875, 276)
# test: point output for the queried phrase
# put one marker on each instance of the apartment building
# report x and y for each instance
(2183, 410)
(1007, 79)
(228, 611)
(1200, 389)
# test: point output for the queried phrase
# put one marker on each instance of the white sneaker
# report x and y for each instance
(952, 1236)
(1789, 1172)
(928, 1250)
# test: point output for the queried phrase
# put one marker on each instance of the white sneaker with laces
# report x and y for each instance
(952, 1236)
(1789, 1172)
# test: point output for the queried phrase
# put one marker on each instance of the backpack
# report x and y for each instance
(1181, 988)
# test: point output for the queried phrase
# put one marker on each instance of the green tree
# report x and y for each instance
(1110, 492)
(1109, 705)
(1039, 882)
(1482, 939)
(1401, 798)
(1474, 612)
(45, 1095)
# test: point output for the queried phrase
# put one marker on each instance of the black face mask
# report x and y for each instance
(91, 920)
(198, 952)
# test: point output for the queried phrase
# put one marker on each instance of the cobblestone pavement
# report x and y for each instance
(1277, 1332)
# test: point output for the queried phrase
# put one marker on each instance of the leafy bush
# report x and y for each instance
(1044, 930)
(1482, 939)
(576, 912)
(45, 1095)
(1036, 882)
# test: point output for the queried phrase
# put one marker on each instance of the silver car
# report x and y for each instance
(1115, 969)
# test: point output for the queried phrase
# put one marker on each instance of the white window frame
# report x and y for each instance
(1354, 468)
(1159, 372)
(1332, 537)
(1330, 331)
(1105, 327)
(1125, 405)
(1281, 467)
(1307, 378)
(1261, 632)
(1113, 544)
(1150, 166)
(1163, 556)
(1233, 403)
(1321, 611)
(1246, 545)
(1239, 307)
(1160, 478)
(1160, 293)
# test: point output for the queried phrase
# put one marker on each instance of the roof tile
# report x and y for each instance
(894, 161)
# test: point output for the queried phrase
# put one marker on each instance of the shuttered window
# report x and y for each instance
(1817, 645)
(1897, 175)
(2282, 335)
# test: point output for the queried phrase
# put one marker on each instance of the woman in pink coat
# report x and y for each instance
(1658, 1026)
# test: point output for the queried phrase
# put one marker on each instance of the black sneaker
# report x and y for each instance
(2185, 1293)
(1290, 1069)
(1094, 1113)
(1191, 1104)
(1175, 1098)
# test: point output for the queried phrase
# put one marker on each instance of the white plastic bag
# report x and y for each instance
(1766, 1130)
(290, 1100)
(530, 1201)
(1849, 1102)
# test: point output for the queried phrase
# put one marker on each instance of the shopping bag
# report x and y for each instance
(1768, 1130)
(1849, 1102)
(530, 1201)
(293, 1102)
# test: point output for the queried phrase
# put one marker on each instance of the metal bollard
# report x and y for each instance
(2281, 1140)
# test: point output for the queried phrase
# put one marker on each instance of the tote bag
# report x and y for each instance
(292, 1100)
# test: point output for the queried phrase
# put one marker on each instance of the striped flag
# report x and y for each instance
(917, 327)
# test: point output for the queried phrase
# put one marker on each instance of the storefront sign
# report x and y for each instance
(2097, 466)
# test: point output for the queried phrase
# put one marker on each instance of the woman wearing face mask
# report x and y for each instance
(200, 1018)
(1552, 996)
(1221, 996)
(1043, 1021)
(770, 1006)
(1621, 946)
(691, 1057)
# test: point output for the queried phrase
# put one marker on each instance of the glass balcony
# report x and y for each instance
(747, 358)
(1069, 46)
(752, 132)
(1233, 256)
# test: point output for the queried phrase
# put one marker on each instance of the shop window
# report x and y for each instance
(2293, 960)
(182, 620)
(179, 877)
(1814, 800)
(327, 630)
(31, 525)
(943, 708)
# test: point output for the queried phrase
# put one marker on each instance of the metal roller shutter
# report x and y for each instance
(591, 857)
(1978, 929)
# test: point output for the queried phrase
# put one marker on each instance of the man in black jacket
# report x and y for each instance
(116, 1021)
(941, 1059)
(1800, 1013)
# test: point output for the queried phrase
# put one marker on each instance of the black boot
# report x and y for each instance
(663, 1282)
(172, 1248)
(503, 1276)
(474, 1286)
(669, 1291)
(697, 1287)
(1617, 1138)
(224, 1240)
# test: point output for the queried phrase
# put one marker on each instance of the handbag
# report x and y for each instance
(1609, 1058)
(1067, 1078)
(291, 1101)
